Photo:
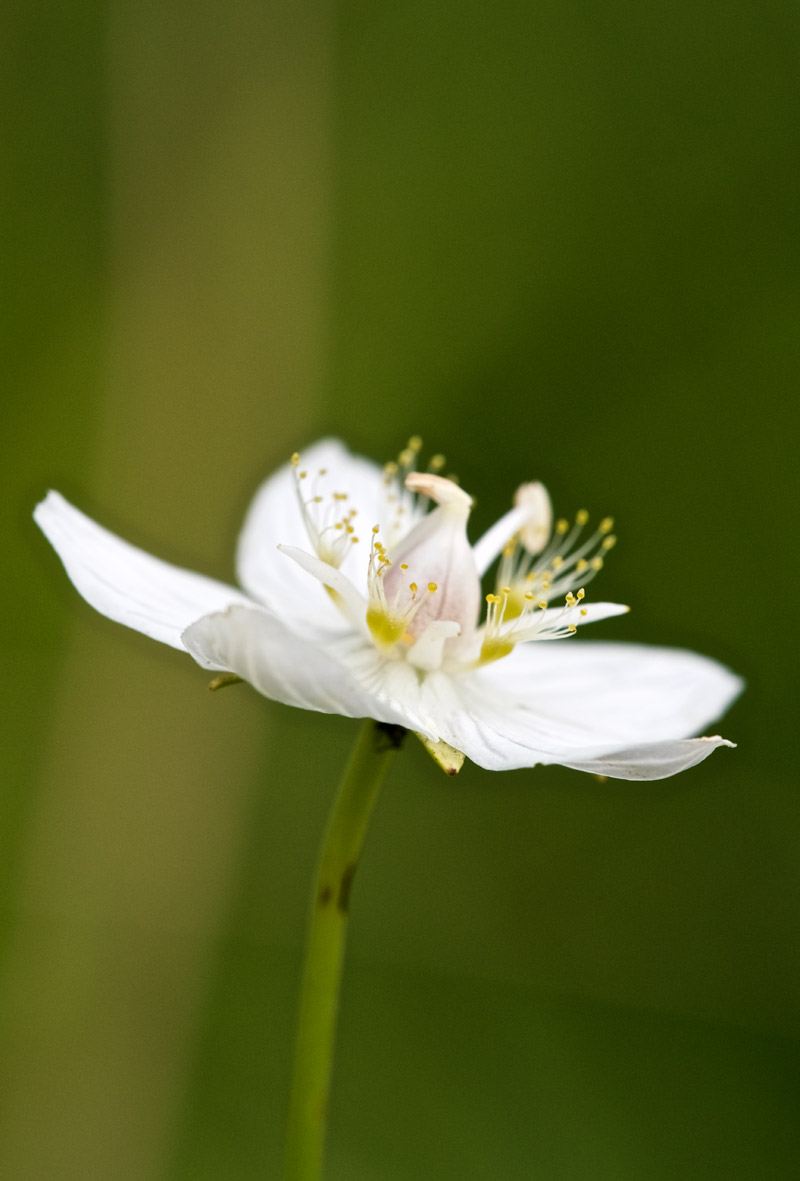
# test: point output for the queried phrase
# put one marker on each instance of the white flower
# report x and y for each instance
(361, 599)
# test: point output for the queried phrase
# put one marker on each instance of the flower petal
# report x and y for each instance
(274, 519)
(125, 583)
(286, 667)
(353, 605)
(654, 760)
(576, 703)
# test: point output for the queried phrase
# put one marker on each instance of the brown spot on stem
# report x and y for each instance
(345, 886)
(325, 895)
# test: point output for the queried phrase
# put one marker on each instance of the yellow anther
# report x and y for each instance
(295, 458)
(581, 517)
(323, 471)
(412, 586)
(404, 565)
(432, 586)
(581, 593)
(303, 475)
(354, 540)
(436, 463)
(531, 577)
(529, 598)
(506, 590)
(317, 500)
(572, 629)
(597, 563)
(543, 604)
(376, 528)
(406, 457)
(340, 496)
(570, 598)
(349, 528)
(584, 611)
(509, 547)
(609, 542)
(558, 561)
(338, 525)
(415, 443)
(607, 524)
(492, 599)
(581, 565)
(561, 525)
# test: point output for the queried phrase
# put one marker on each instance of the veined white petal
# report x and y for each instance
(574, 703)
(487, 547)
(427, 652)
(353, 604)
(624, 693)
(274, 518)
(654, 760)
(289, 668)
(125, 583)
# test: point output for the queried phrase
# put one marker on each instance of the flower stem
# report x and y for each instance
(319, 997)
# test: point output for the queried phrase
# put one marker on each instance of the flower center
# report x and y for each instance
(436, 556)
(423, 586)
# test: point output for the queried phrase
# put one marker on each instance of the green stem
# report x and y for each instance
(319, 997)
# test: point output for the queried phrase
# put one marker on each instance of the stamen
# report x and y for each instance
(389, 616)
(519, 611)
(328, 532)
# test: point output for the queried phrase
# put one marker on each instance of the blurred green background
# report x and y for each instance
(560, 241)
